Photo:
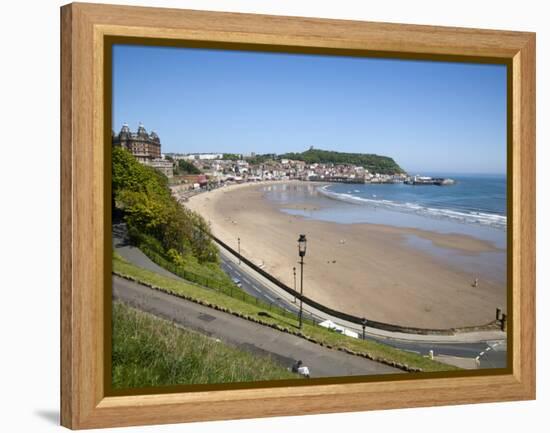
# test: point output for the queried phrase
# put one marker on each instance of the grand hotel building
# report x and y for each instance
(144, 146)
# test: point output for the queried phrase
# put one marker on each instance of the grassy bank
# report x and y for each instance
(287, 322)
(212, 276)
(148, 351)
(189, 268)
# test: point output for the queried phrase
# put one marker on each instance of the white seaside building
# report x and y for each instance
(203, 156)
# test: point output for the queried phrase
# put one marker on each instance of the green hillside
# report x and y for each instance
(373, 163)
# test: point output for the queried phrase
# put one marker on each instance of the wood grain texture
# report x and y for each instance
(84, 28)
(67, 386)
(524, 175)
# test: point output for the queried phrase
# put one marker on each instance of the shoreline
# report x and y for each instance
(361, 268)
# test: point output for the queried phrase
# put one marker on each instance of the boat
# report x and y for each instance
(444, 182)
(427, 180)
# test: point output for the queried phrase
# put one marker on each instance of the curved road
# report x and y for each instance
(491, 351)
(489, 347)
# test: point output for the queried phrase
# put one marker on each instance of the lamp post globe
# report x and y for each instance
(302, 245)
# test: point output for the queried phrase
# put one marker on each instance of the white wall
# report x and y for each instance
(29, 284)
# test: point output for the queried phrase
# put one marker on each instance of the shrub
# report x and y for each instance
(152, 215)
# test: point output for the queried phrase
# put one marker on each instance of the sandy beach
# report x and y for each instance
(363, 269)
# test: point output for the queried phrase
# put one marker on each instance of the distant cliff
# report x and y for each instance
(373, 163)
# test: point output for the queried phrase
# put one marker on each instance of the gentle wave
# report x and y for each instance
(471, 217)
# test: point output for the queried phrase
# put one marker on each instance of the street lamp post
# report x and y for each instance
(364, 324)
(302, 243)
(294, 272)
(239, 242)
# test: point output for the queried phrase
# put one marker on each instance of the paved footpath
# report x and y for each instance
(466, 346)
(271, 291)
(245, 334)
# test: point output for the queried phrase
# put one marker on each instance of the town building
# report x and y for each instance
(144, 146)
(203, 156)
(163, 165)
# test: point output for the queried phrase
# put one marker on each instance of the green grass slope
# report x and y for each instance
(148, 351)
(289, 322)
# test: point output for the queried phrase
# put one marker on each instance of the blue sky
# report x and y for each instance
(428, 116)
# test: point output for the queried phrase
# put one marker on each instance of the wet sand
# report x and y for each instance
(363, 269)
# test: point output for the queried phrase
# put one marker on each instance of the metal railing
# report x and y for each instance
(227, 288)
(345, 316)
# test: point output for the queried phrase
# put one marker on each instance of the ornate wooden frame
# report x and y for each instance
(84, 403)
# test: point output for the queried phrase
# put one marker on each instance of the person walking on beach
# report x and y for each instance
(476, 282)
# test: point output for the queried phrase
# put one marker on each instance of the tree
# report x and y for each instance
(142, 194)
(186, 167)
(373, 163)
(231, 156)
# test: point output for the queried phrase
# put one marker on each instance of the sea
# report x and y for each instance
(475, 205)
